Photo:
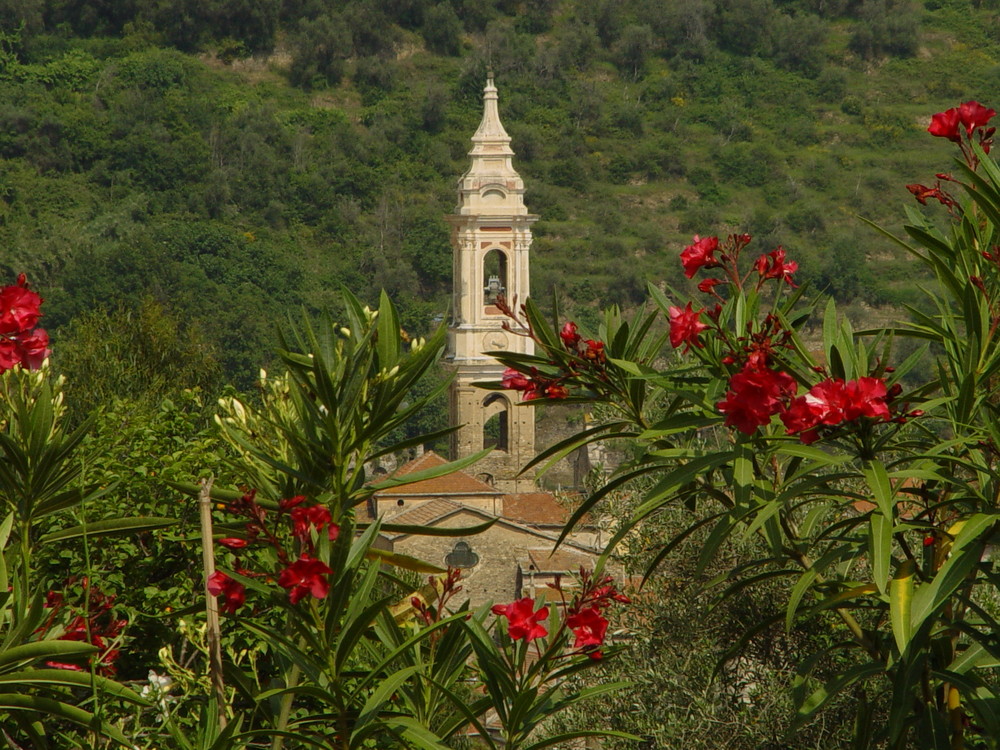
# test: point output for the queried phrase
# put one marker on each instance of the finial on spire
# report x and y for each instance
(490, 131)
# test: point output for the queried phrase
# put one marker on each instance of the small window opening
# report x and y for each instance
(494, 276)
(461, 556)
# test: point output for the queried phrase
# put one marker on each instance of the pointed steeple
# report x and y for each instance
(492, 165)
(491, 240)
(490, 137)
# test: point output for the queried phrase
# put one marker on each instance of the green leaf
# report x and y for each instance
(823, 695)
(418, 530)
(69, 678)
(570, 737)
(402, 561)
(880, 548)
(29, 652)
(900, 603)
(433, 473)
(51, 707)
(881, 487)
(795, 596)
(109, 527)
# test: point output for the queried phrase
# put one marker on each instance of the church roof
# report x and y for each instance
(434, 512)
(535, 508)
(456, 483)
(538, 509)
(425, 514)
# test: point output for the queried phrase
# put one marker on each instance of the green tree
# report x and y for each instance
(142, 354)
(321, 47)
(442, 29)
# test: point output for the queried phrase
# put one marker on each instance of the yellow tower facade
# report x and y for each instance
(491, 240)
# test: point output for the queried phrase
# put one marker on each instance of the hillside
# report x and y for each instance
(237, 160)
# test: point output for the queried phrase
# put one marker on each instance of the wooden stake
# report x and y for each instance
(213, 632)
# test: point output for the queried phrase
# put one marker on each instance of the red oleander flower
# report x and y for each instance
(291, 502)
(945, 125)
(773, 266)
(685, 325)
(589, 627)
(707, 285)
(307, 575)
(755, 394)
(95, 625)
(317, 516)
(594, 351)
(32, 350)
(522, 621)
(833, 402)
(556, 390)
(515, 381)
(19, 308)
(801, 418)
(9, 354)
(865, 397)
(699, 255)
(569, 336)
(219, 584)
(974, 115)
(233, 543)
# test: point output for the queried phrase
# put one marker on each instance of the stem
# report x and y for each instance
(286, 709)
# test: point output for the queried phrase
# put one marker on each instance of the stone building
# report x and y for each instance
(516, 555)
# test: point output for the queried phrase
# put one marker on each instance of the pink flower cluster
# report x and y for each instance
(303, 576)
(20, 342)
(965, 124)
(686, 324)
(583, 614)
(95, 623)
(755, 394)
(585, 354)
(757, 391)
(971, 116)
(834, 402)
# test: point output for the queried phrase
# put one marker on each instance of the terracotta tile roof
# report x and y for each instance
(425, 514)
(538, 509)
(456, 483)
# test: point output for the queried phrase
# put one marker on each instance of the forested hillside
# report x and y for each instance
(203, 168)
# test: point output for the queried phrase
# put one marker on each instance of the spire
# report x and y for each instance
(490, 137)
(491, 186)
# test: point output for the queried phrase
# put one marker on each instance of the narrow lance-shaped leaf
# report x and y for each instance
(900, 602)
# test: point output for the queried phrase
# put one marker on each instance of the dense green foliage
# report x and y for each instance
(146, 153)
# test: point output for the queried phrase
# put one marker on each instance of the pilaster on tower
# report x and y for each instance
(491, 239)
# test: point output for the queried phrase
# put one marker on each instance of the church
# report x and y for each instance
(516, 556)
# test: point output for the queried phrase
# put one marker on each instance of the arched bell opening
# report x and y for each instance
(496, 422)
(495, 280)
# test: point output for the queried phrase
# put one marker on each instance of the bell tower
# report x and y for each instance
(490, 237)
